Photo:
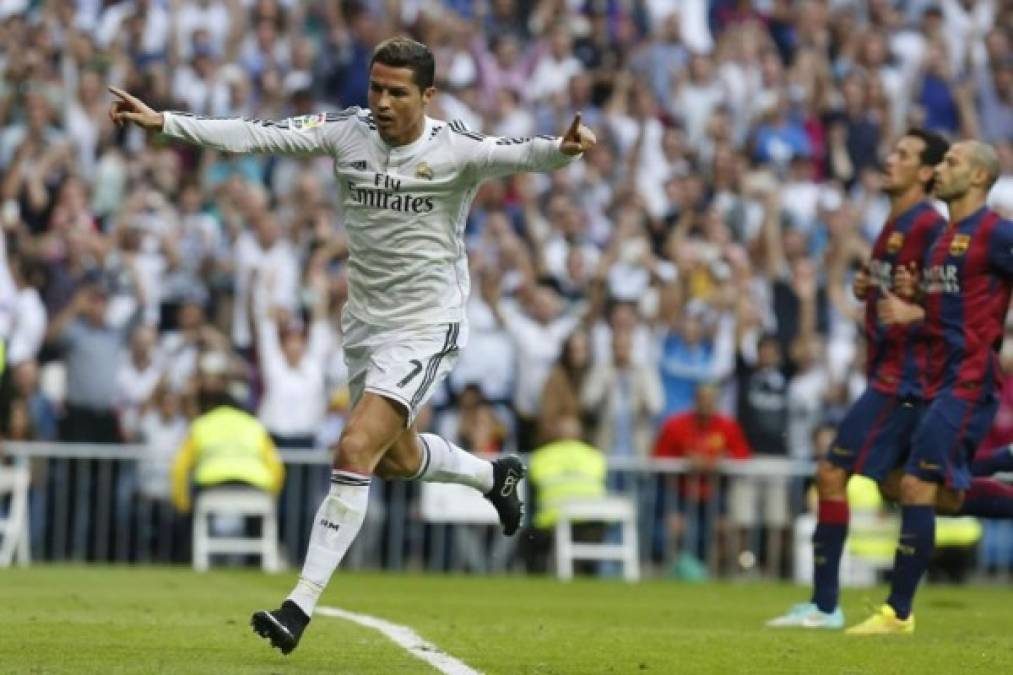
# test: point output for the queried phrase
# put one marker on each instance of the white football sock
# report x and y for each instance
(444, 462)
(335, 526)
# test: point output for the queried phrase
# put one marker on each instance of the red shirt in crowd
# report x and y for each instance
(690, 435)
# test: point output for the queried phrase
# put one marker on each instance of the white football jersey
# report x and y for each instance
(405, 207)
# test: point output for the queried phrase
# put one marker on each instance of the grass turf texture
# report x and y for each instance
(161, 620)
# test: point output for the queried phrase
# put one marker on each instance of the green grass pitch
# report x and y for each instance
(162, 620)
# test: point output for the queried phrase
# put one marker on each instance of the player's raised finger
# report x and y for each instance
(129, 98)
(572, 133)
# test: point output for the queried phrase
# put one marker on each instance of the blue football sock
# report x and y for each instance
(997, 460)
(988, 498)
(828, 545)
(914, 550)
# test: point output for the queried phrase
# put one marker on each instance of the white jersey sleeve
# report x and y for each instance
(306, 135)
(485, 157)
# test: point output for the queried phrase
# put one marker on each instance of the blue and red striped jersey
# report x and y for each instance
(967, 282)
(896, 354)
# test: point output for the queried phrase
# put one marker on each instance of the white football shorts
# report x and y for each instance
(402, 364)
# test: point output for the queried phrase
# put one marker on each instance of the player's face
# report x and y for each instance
(903, 167)
(397, 103)
(953, 174)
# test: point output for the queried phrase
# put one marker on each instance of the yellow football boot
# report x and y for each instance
(884, 622)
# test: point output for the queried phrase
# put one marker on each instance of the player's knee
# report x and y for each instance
(889, 487)
(949, 502)
(402, 459)
(384, 470)
(355, 453)
(915, 491)
(392, 468)
(890, 492)
(831, 481)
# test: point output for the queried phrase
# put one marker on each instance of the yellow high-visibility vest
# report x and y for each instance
(226, 444)
(873, 531)
(561, 471)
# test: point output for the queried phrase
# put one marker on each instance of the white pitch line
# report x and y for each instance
(406, 638)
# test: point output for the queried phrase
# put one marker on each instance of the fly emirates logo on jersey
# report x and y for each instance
(385, 193)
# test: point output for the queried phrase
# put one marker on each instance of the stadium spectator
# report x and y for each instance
(266, 269)
(703, 437)
(763, 395)
(538, 332)
(93, 350)
(292, 369)
(39, 411)
(561, 394)
(474, 423)
(624, 397)
(162, 426)
(27, 312)
(562, 469)
(687, 358)
(489, 359)
(136, 379)
(252, 460)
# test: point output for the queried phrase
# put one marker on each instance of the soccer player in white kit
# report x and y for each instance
(406, 183)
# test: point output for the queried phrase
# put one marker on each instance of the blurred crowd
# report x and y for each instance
(709, 238)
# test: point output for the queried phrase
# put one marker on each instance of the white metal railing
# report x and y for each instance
(85, 504)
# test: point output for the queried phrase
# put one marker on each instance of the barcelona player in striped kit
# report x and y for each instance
(962, 301)
(872, 439)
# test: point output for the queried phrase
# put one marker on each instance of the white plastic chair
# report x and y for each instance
(465, 507)
(453, 503)
(14, 482)
(603, 510)
(235, 501)
(855, 571)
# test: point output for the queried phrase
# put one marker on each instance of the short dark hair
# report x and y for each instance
(403, 52)
(933, 152)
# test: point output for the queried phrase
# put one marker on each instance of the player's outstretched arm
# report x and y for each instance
(307, 135)
(491, 156)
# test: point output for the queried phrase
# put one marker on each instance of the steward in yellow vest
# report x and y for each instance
(563, 470)
(225, 445)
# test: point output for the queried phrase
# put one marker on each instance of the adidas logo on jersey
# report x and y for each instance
(359, 165)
